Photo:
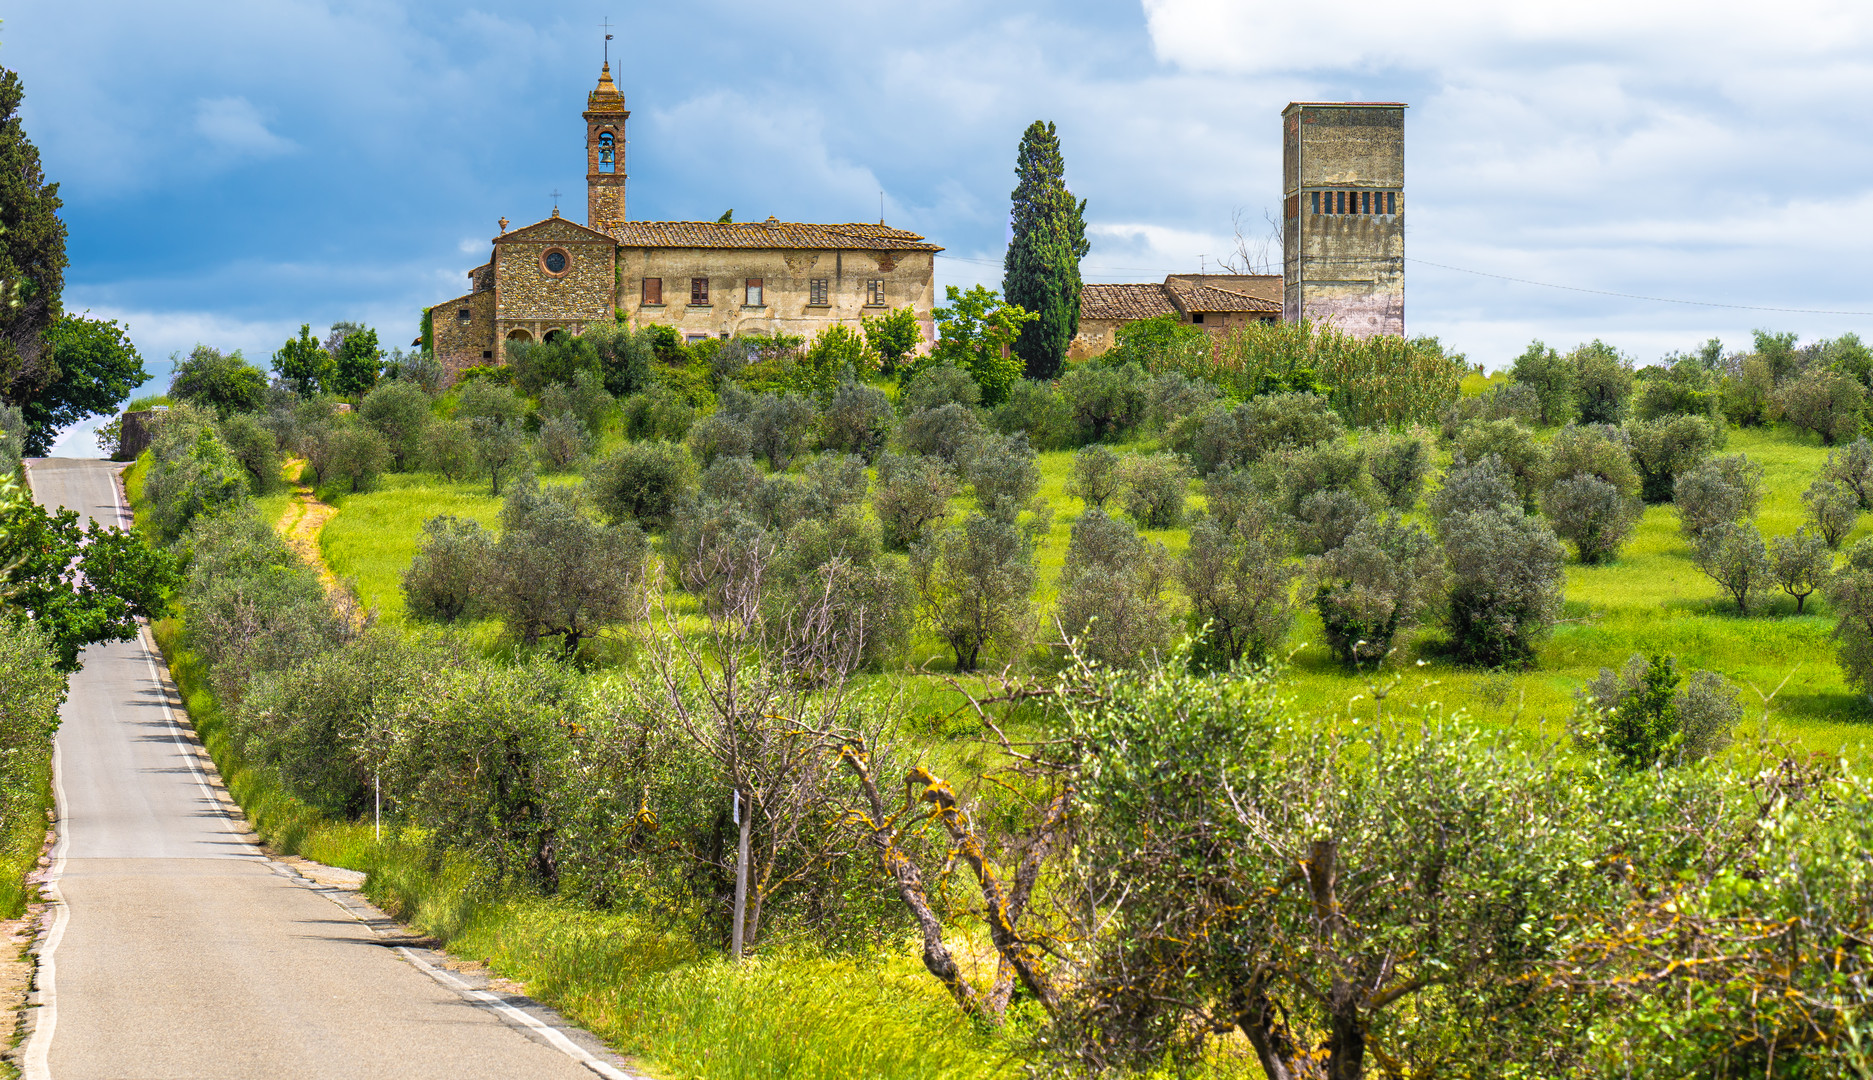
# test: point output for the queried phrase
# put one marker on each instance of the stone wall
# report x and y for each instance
(460, 342)
(786, 276)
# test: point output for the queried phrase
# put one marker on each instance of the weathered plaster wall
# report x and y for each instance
(786, 277)
(1344, 268)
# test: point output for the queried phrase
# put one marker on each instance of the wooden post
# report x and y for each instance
(741, 873)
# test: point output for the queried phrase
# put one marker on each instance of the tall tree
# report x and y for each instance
(1041, 271)
(32, 255)
(303, 364)
(95, 366)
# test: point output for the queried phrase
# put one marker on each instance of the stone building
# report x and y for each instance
(1343, 221)
(704, 279)
(1217, 302)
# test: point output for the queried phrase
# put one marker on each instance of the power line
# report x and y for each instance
(1487, 274)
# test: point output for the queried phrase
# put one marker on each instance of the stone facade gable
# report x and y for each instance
(554, 228)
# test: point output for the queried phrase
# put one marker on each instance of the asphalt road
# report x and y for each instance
(182, 951)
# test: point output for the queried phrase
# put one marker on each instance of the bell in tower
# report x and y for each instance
(605, 115)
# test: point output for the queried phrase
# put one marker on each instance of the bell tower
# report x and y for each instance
(605, 115)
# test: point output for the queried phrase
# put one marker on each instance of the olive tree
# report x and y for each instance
(780, 428)
(1399, 465)
(1722, 491)
(558, 574)
(975, 586)
(1668, 446)
(1003, 472)
(1152, 489)
(1733, 555)
(1826, 402)
(947, 431)
(1376, 585)
(1112, 602)
(448, 579)
(448, 450)
(1240, 584)
(1853, 466)
(500, 448)
(1094, 478)
(1801, 563)
(1850, 591)
(1472, 486)
(1833, 510)
(1522, 456)
(1506, 578)
(859, 421)
(399, 411)
(641, 482)
(913, 496)
(1591, 514)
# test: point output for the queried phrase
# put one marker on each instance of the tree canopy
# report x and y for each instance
(94, 368)
(32, 255)
(1041, 271)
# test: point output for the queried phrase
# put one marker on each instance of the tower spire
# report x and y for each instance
(605, 114)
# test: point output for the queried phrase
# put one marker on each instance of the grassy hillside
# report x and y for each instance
(1652, 599)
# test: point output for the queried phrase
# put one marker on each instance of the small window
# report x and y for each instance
(653, 290)
(1391, 202)
(1316, 202)
(1342, 201)
(874, 292)
(1197, 317)
(464, 315)
(699, 290)
(816, 291)
(1365, 202)
(753, 297)
(555, 260)
(487, 354)
(691, 339)
(607, 153)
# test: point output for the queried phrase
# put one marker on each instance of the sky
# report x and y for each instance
(232, 170)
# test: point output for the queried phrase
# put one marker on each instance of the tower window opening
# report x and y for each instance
(1391, 202)
(1365, 202)
(1342, 201)
(607, 152)
(1316, 202)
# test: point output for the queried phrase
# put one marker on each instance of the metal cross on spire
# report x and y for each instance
(607, 25)
(555, 198)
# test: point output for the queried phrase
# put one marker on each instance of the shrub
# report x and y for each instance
(1748, 394)
(1592, 515)
(1240, 584)
(1593, 450)
(1828, 403)
(484, 400)
(1505, 585)
(588, 400)
(720, 435)
(1506, 401)
(1152, 488)
(833, 599)
(1171, 395)
(913, 496)
(1112, 592)
(1034, 409)
(1833, 510)
(1662, 449)
(1686, 388)
(1473, 486)
(1522, 456)
(1324, 519)
(1722, 491)
(1299, 472)
(1734, 556)
(398, 411)
(557, 574)
(948, 432)
(1853, 467)
(1220, 439)
(1003, 472)
(561, 442)
(1398, 465)
(1554, 380)
(939, 385)
(191, 473)
(223, 382)
(831, 484)
(658, 413)
(1104, 400)
(642, 483)
(1643, 713)
(1801, 564)
(1850, 591)
(1095, 476)
(448, 450)
(780, 428)
(859, 421)
(254, 447)
(1375, 586)
(975, 584)
(1603, 384)
(355, 454)
(448, 578)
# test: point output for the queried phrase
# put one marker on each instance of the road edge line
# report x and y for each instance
(35, 1062)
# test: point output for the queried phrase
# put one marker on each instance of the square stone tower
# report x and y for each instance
(1343, 220)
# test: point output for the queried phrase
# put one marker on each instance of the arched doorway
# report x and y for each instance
(554, 335)
(519, 335)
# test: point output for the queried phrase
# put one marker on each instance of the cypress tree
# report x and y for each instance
(1041, 272)
(32, 255)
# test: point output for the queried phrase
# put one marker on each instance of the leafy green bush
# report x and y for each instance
(1604, 383)
(1662, 449)
(859, 421)
(641, 482)
(1504, 401)
(561, 442)
(719, 435)
(1647, 711)
(448, 579)
(658, 413)
(1034, 409)
(1686, 388)
(1554, 379)
(1112, 602)
(1219, 438)
(1506, 578)
(191, 473)
(1152, 488)
(1374, 586)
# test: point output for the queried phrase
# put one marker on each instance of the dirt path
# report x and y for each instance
(300, 526)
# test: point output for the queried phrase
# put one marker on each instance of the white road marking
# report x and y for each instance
(46, 1017)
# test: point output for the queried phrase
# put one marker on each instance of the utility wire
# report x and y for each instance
(1487, 274)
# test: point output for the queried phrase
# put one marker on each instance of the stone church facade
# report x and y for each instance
(703, 279)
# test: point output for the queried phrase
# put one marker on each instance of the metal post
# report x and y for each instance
(741, 874)
(377, 798)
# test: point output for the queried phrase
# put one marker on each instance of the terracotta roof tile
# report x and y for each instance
(1195, 296)
(768, 234)
(1124, 302)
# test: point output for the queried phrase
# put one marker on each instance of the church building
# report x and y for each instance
(703, 278)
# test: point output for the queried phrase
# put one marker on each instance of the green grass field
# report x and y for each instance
(1652, 599)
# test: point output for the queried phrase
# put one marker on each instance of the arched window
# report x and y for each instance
(607, 153)
(519, 335)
